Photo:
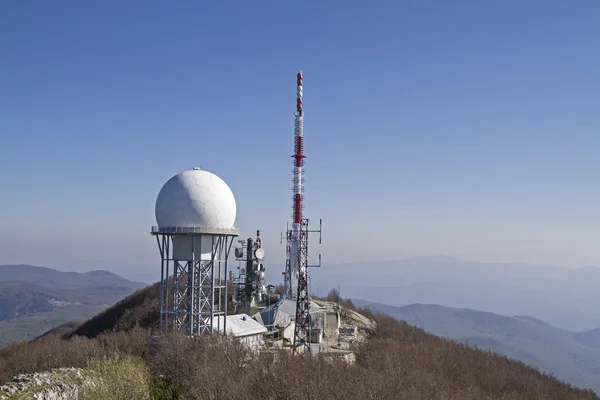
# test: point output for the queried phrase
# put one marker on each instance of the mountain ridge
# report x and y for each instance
(562, 296)
(573, 356)
(34, 299)
(49, 277)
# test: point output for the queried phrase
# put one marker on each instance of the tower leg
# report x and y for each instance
(302, 328)
(192, 298)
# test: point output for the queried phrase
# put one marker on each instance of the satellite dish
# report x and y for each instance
(243, 270)
(261, 267)
(259, 254)
(239, 253)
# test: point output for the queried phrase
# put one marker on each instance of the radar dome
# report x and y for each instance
(195, 199)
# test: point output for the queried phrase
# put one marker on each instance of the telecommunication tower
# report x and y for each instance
(296, 269)
(250, 290)
(195, 212)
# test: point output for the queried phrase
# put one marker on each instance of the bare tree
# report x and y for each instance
(334, 295)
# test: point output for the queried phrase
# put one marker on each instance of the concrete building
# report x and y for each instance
(281, 316)
(243, 327)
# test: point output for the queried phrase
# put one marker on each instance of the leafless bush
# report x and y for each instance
(47, 353)
(52, 352)
(133, 342)
(389, 328)
(440, 368)
(280, 289)
(333, 295)
(367, 312)
(209, 367)
(399, 361)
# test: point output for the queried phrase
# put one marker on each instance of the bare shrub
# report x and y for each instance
(47, 353)
(367, 312)
(52, 352)
(437, 368)
(280, 289)
(133, 342)
(399, 361)
(333, 295)
(208, 367)
(389, 328)
(313, 377)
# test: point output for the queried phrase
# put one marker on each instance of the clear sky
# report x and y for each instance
(468, 128)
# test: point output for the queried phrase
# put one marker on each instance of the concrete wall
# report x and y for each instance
(253, 341)
(332, 325)
(316, 335)
(288, 332)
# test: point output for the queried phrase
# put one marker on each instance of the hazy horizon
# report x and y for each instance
(564, 297)
(150, 272)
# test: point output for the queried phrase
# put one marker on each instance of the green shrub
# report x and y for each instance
(118, 378)
(165, 389)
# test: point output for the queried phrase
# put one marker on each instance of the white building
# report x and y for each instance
(282, 316)
(243, 327)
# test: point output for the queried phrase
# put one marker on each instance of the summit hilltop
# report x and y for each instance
(395, 361)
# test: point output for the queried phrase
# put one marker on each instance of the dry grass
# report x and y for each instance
(52, 352)
(118, 378)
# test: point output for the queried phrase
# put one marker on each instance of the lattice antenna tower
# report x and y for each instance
(296, 269)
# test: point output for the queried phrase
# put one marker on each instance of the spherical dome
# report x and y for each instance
(195, 199)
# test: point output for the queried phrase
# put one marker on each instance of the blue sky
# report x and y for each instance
(467, 128)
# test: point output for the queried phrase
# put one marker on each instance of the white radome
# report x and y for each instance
(195, 199)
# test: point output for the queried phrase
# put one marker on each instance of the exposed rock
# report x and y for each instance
(58, 384)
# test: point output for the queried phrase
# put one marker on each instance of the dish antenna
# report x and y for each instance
(239, 252)
(259, 254)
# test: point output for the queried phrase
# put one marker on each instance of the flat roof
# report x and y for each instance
(284, 311)
(240, 325)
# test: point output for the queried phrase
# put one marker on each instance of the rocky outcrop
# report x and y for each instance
(58, 384)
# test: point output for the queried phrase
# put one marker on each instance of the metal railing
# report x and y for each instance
(194, 229)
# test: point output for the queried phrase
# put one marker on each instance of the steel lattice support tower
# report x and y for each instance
(287, 278)
(193, 291)
(302, 328)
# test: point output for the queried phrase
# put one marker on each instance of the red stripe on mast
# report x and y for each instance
(299, 151)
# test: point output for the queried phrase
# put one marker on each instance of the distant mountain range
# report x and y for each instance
(36, 299)
(567, 298)
(571, 356)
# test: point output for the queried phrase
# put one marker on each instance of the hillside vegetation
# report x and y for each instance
(397, 362)
(35, 299)
(572, 356)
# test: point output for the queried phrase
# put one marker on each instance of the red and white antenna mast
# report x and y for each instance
(293, 235)
(298, 151)
(296, 270)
